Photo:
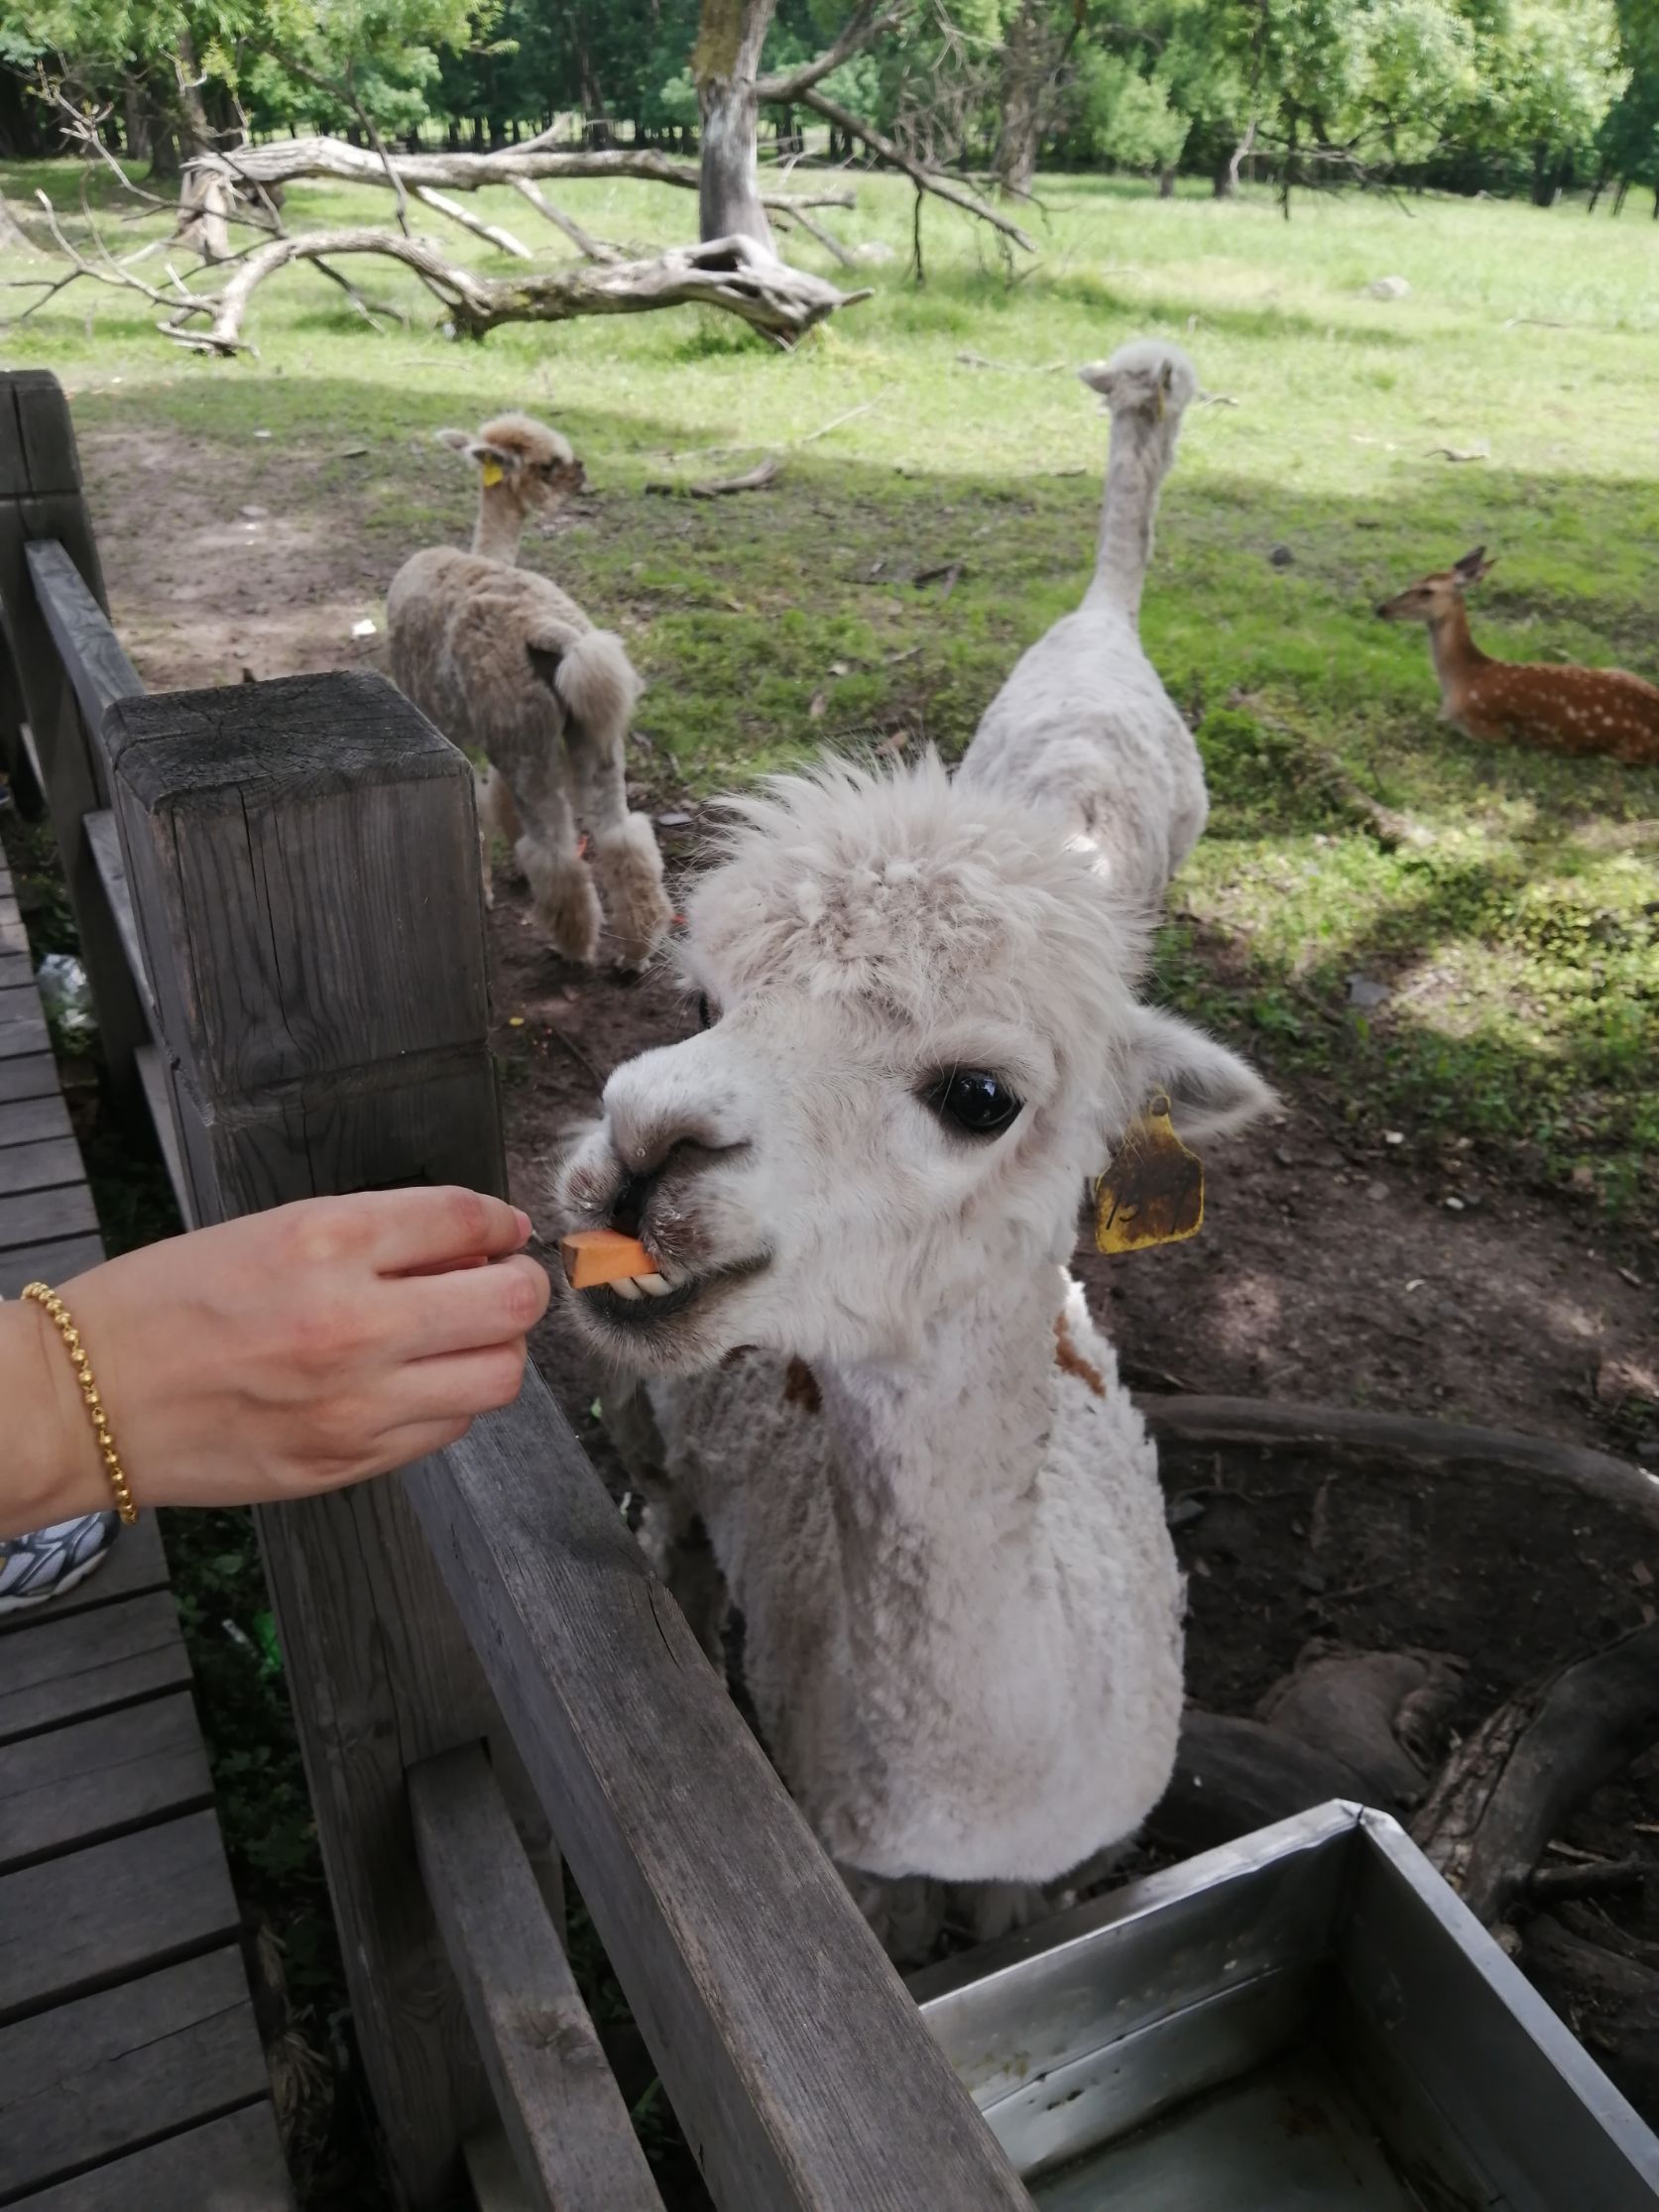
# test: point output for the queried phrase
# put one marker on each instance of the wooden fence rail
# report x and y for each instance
(279, 899)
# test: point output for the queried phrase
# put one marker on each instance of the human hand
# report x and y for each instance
(291, 1351)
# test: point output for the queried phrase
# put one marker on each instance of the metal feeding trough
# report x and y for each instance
(1305, 2019)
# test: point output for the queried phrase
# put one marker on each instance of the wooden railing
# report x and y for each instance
(278, 892)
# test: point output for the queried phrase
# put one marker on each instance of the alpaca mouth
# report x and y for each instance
(644, 1303)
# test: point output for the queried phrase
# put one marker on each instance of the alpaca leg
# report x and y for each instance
(907, 1916)
(496, 816)
(624, 856)
(561, 889)
(676, 1543)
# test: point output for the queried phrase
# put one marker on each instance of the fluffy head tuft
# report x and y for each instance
(531, 443)
(1146, 376)
(912, 895)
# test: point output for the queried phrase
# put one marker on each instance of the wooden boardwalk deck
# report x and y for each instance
(131, 2074)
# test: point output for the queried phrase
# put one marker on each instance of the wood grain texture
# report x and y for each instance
(135, 1563)
(31, 1120)
(21, 1022)
(70, 1786)
(63, 1669)
(233, 2164)
(104, 840)
(15, 968)
(304, 866)
(154, 1076)
(77, 1923)
(38, 459)
(30, 1076)
(53, 1262)
(105, 2075)
(93, 659)
(42, 1216)
(45, 1165)
(570, 2131)
(766, 2002)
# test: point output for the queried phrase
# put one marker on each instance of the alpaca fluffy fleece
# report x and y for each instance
(507, 664)
(879, 1391)
(1083, 725)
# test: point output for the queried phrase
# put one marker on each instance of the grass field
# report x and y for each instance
(1507, 900)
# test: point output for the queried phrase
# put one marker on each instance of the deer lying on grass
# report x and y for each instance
(1564, 710)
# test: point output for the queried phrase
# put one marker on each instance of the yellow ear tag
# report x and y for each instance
(1153, 1191)
(492, 472)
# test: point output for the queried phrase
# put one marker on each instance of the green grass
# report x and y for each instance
(1509, 898)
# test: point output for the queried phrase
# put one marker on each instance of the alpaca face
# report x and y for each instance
(1145, 378)
(521, 460)
(923, 1038)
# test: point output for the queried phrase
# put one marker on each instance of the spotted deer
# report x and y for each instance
(1507, 702)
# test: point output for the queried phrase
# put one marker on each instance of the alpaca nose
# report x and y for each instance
(671, 1114)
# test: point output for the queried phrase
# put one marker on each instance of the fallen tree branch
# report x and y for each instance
(285, 161)
(1233, 1776)
(753, 480)
(784, 88)
(925, 179)
(1512, 1784)
(595, 249)
(732, 273)
(503, 240)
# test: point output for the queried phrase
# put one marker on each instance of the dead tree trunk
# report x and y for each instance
(1024, 71)
(724, 63)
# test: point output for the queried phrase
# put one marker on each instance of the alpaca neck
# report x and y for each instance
(1457, 656)
(1139, 459)
(499, 525)
(967, 1417)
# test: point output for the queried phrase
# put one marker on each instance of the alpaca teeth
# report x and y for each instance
(653, 1284)
(626, 1287)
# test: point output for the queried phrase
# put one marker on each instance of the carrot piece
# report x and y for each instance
(602, 1255)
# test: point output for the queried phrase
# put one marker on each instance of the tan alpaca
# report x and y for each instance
(508, 664)
(1507, 702)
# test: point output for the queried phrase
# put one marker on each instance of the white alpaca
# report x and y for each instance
(1082, 725)
(928, 1493)
(506, 663)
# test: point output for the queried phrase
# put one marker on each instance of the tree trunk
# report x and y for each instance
(134, 109)
(1167, 183)
(724, 62)
(1224, 178)
(1024, 67)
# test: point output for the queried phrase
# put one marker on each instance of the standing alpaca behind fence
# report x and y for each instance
(931, 1500)
(1083, 725)
(1562, 710)
(507, 663)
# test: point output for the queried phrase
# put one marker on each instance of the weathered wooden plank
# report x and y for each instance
(69, 1787)
(45, 1165)
(233, 2164)
(135, 1563)
(16, 969)
(53, 1262)
(81, 1923)
(35, 427)
(493, 2173)
(68, 1669)
(303, 861)
(32, 1075)
(767, 2005)
(37, 1217)
(560, 2104)
(106, 2075)
(31, 1120)
(105, 840)
(21, 1022)
(158, 1091)
(99, 670)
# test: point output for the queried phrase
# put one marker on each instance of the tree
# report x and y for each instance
(724, 66)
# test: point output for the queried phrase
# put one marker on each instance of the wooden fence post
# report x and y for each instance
(303, 863)
(41, 497)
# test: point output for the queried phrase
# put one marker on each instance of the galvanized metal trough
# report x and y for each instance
(1306, 2018)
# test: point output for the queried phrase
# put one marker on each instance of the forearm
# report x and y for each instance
(49, 1468)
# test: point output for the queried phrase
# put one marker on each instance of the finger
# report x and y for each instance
(456, 1385)
(467, 1309)
(421, 1227)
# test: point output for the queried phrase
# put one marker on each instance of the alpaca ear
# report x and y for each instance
(1098, 375)
(456, 440)
(501, 459)
(1211, 1091)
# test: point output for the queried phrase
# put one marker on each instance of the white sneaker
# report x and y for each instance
(50, 1560)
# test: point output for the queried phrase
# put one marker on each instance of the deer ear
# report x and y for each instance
(1473, 566)
(1211, 1091)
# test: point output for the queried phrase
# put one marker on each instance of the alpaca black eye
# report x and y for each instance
(974, 1101)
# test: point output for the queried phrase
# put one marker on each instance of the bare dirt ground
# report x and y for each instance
(1334, 1265)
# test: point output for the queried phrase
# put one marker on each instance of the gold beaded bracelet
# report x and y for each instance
(59, 1314)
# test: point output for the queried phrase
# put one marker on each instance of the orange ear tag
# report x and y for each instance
(1153, 1191)
(492, 472)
